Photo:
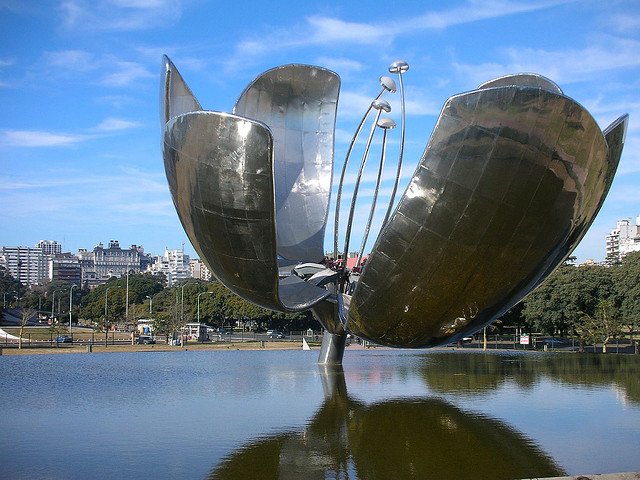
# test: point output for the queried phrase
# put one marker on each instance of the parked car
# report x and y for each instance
(277, 334)
(145, 340)
(64, 339)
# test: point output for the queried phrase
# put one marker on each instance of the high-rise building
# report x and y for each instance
(65, 267)
(623, 239)
(49, 247)
(26, 264)
(174, 264)
(200, 270)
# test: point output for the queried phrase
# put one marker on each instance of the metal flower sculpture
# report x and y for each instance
(510, 181)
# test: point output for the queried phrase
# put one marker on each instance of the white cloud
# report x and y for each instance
(625, 23)
(6, 62)
(110, 71)
(116, 124)
(563, 66)
(34, 138)
(126, 73)
(473, 11)
(71, 60)
(326, 30)
(342, 65)
(123, 15)
(353, 104)
(125, 180)
(38, 138)
(318, 30)
(118, 101)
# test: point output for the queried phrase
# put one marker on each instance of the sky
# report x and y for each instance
(80, 150)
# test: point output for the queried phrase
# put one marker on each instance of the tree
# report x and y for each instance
(26, 315)
(568, 294)
(9, 287)
(626, 278)
(604, 324)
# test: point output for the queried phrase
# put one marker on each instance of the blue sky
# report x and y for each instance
(80, 153)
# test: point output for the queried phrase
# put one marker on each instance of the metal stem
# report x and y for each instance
(355, 196)
(336, 223)
(375, 198)
(400, 155)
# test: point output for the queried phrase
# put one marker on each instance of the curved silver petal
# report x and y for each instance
(175, 95)
(220, 172)
(523, 80)
(298, 103)
(509, 182)
(615, 135)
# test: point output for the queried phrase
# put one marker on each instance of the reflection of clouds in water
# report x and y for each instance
(404, 438)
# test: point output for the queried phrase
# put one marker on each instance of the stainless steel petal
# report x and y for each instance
(220, 172)
(509, 182)
(523, 80)
(298, 103)
(175, 96)
(615, 135)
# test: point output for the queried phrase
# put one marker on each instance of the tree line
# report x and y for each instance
(170, 307)
(593, 303)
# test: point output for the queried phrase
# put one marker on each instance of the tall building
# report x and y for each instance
(49, 247)
(65, 267)
(200, 270)
(174, 264)
(623, 239)
(26, 264)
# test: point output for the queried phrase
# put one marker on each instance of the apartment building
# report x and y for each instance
(26, 264)
(200, 270)
(174, 264)
(623, 239)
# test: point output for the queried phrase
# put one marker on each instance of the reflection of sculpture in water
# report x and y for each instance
(510, 181)
(421, 438)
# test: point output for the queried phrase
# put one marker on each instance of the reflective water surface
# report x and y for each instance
(268, 414)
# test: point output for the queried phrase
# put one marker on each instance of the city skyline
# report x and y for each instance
(80, 132)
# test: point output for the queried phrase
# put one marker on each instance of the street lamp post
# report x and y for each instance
(126, 308)
(182, 302)
(105, 314)
(53, 304)
(201, 293)
(71, 304)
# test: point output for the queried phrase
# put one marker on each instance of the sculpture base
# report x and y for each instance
(332, 349)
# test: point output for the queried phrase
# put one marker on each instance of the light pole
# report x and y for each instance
(71, 304)
(126, 307)
(201, 293)
(150, 304)
(105, 314)
(182, 302)
(53, 304)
